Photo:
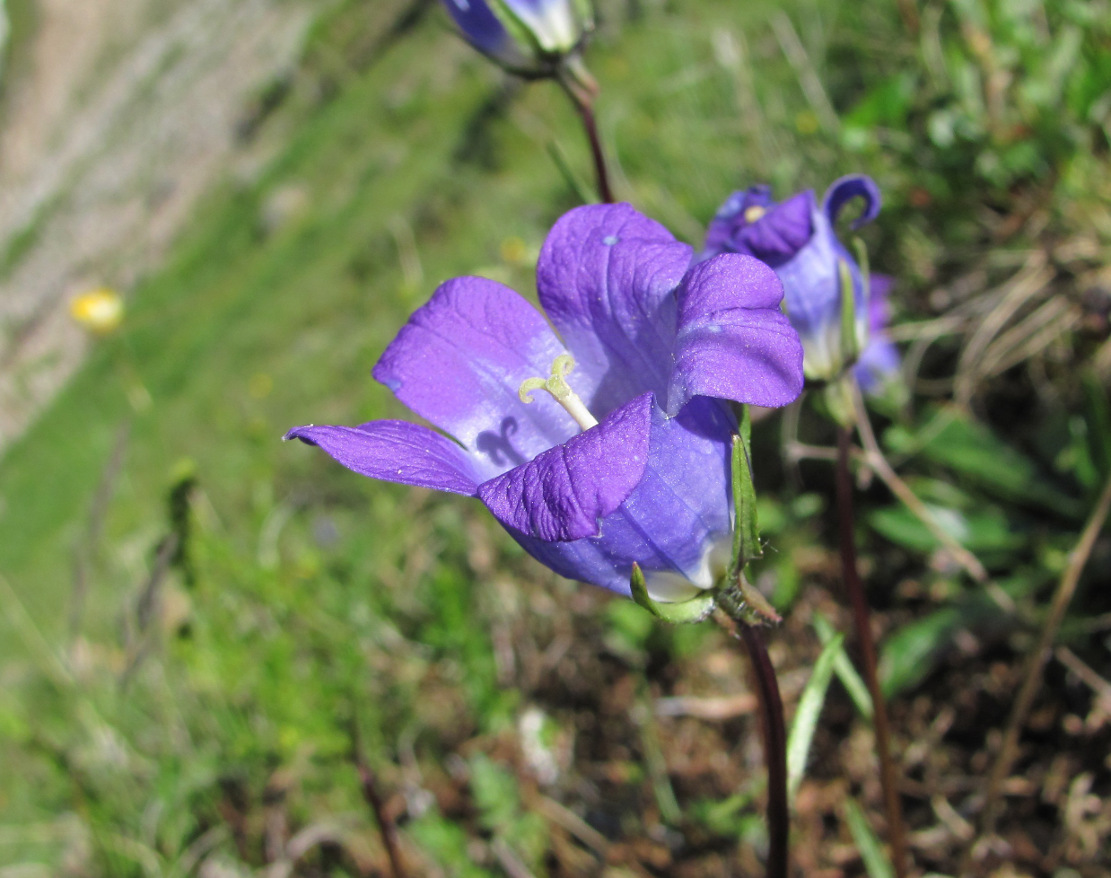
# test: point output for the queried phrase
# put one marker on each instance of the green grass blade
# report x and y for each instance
(843, 668)
(806, 716)
(876, 862)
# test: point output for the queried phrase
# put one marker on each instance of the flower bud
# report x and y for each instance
(531, 38)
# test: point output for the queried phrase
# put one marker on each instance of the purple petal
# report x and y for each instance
(673, 519)
(878, 361)
(781, 232)
(729, 219)
(734, 342)
(812, 282)
(480, 26)
(396, 451)
(563, 493)
(605, 278)
(880, 358)
(844, 190)
(460, 361)
(777, 234)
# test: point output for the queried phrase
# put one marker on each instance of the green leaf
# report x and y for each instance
(806, 715)
(746, 530)
(843, 667)
(910, 654)
(979, 531)
(850, 348)
(876, 863)
(952, 439)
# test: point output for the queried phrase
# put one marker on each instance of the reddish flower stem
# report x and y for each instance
(368, 784)
(582, 89)
(896, 829)
(775, 747)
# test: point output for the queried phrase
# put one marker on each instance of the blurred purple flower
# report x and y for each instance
(528, 37)
(658, 347)
(796, 238)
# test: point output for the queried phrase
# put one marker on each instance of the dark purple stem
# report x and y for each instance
(896, 829)
(586, 111)
(582, 89)
(368, 783)
(775, 748)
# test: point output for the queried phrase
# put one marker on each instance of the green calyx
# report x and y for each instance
(694, 610)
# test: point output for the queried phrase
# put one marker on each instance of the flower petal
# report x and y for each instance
(396, 451)
(460, 361)
(605, 278)
(774, 234)
(481, 27)
(844, 190)
(563, 492)
(674, 520)
(733, 341)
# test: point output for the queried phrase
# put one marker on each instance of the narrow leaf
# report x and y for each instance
(843, 668)
(806, 716)
(876, 862)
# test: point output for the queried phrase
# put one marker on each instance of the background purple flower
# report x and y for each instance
(796, 237)
(658, 346)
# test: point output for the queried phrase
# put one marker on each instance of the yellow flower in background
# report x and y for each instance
(99, 310)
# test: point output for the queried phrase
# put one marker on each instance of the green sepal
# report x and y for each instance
(850, 348)
(744, 603)
(694, 610)
(838, 397)
(865, 285)
(746, 531)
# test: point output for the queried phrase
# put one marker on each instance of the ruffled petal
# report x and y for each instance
(396, 451)
(780, 233)
(460, 361)
(733, 341)
(563, 493)
(675, 521)
(605, 278)
(844, 190)
(776, 234)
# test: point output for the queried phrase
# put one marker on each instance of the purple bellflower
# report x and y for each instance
(527, 37)
(796, 238)
(606, 444)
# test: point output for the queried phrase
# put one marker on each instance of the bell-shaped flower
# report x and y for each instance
(527, 37)
(796, 237)
(603, 438)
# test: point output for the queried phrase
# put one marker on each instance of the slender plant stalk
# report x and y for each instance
(582, 89)
(368, 784)
(774, 732)
(775, 750)
(896, 829)
(1066, 588)
(586, 111)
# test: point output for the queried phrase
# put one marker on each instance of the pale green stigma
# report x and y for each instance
(752, 214)
(561, 390)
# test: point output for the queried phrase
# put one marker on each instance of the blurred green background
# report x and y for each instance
(197, 618)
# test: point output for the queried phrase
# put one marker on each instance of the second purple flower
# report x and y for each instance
(796, 237)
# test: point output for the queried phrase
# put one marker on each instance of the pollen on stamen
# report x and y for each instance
(560, 390)
(753, 213)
